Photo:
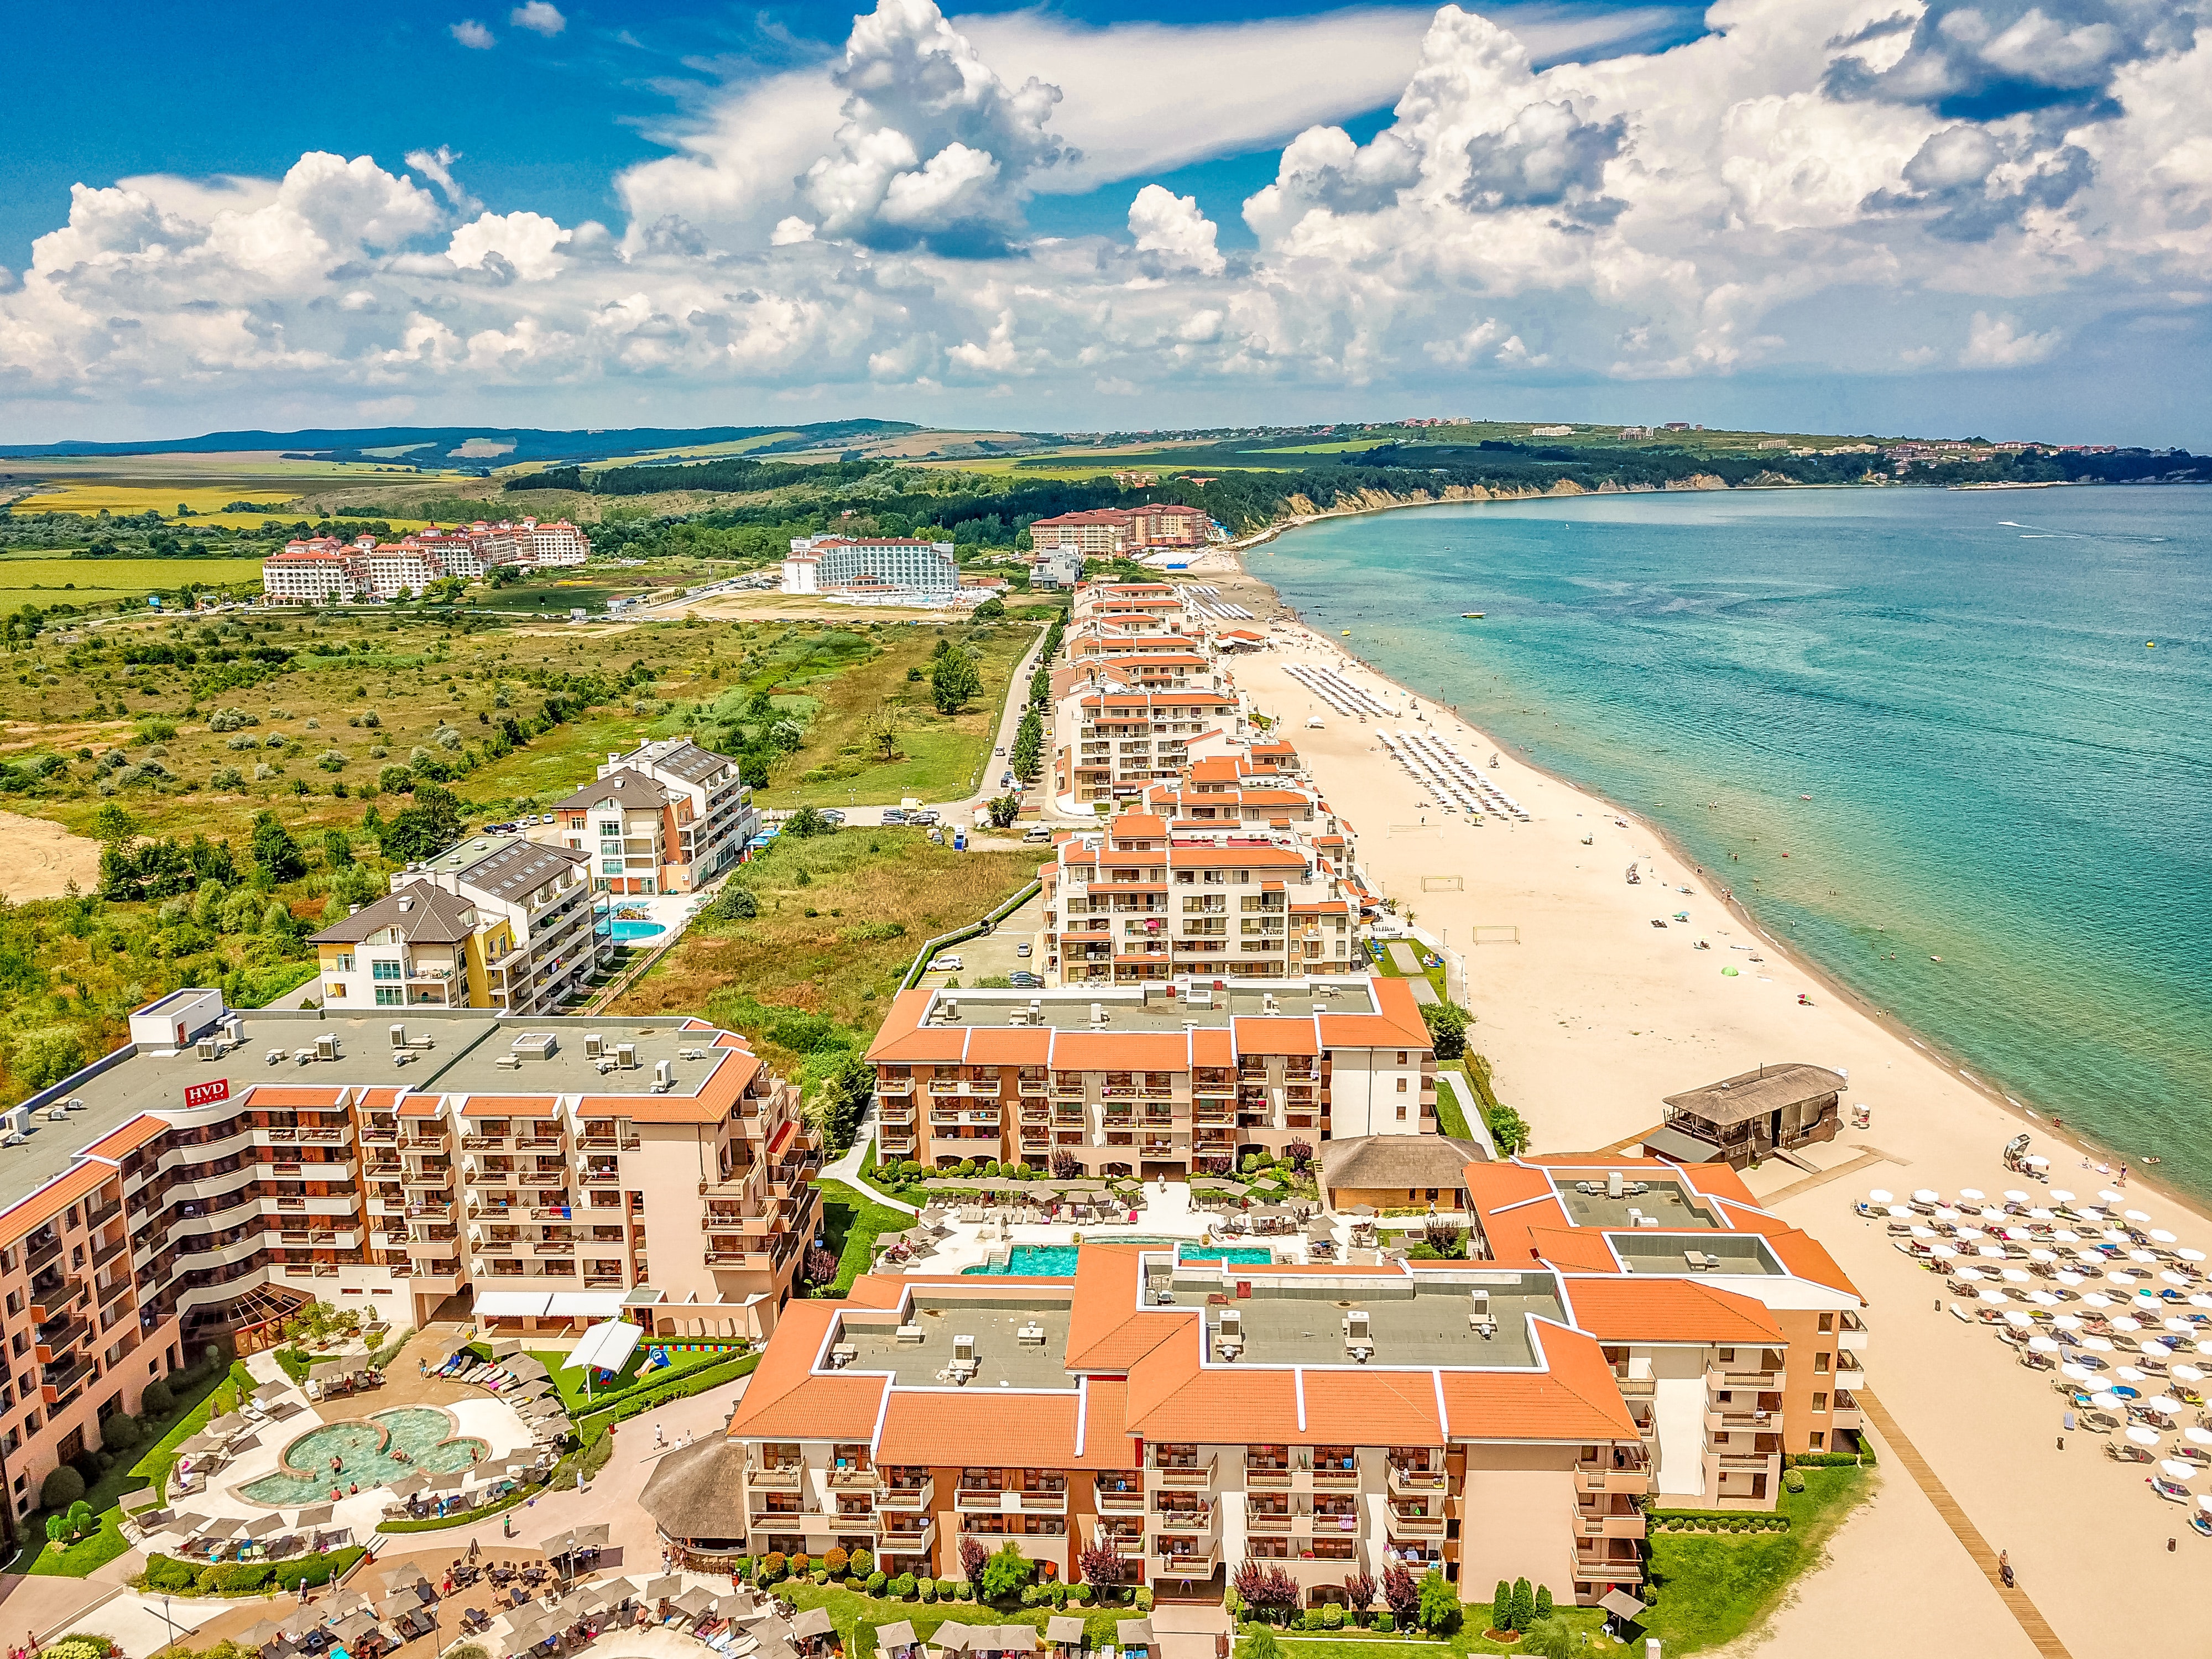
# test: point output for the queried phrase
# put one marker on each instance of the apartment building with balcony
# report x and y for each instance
(666, 817)
(423, 947)
(1165, 1078)
(1115, 744)
(534, 926)
(1323, 1420)
(225, 1167)
(1144, 900)
(1736, 1338)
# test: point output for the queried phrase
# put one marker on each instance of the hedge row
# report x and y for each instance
(592, 1424)
(1716, 1521)
(167, 1575)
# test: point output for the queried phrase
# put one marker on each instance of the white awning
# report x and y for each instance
(511, 1304)
(593, 1304)
(607, 1347)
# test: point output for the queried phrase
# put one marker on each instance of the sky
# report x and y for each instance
(1961, 216)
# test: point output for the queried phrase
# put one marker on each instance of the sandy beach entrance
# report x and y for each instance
(1590, 1014)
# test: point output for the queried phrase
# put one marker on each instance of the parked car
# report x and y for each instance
(946, 965)
(833, 815)
(894, 815)
(1036, 834)
(928, 815)
(1022, 950)
(1023, 980)
(1007, 780)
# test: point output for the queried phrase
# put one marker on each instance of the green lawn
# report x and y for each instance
(851, 1221)
(858, 1615)
(1450, 1120)
(632, 1376)
(1714, 1587)
(156, 1463)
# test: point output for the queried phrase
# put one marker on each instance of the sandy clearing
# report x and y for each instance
(42, 858)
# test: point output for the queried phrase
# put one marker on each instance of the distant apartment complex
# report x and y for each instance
(1111, 531)
(1166, 1078)
(494, 922)
(886, 569)
(1624, 1333)
(326, 569)
(666, 817)
(227, 1166)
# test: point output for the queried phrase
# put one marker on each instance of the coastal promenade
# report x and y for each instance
(1593, 1015)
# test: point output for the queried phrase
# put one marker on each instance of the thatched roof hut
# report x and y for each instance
(695, 1496)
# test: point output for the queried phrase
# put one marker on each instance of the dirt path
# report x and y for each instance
(43, 858)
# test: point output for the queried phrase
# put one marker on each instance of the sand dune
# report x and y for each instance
(43, 858)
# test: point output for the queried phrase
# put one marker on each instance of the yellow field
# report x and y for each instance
(205, 500)
(48, 581)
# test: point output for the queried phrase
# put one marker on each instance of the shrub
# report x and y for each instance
(1385, 1623)
(1543, 1601)
(1439, 1606)
(1029, 1596)
(835, 1561)
(165, 1572)
(876, 1580)
(1082, 1594)
(1007, 1572)
(860, 1564)
(773, 1566)
(1551, 1637)
(929, 1590)
(800, 1566)
(1793, 1479)
(1142, 1600)
(1332, 1615)
(820, 1576)
(63, 1488)
(1524, 1605)
(120, 1432)
(1262, 1644)
(946, 1588)
(902, 1586)
(226, 777)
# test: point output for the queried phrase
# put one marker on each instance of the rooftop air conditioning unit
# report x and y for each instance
(538, 1045)
(1097, 1013)
(626, 1056)
(664, 1074)
(1615, 1183)
(398, 1036)
(1358, 1336)
(594, 1043)
(327, 1045)
(208, 1049)
(1269, 1004)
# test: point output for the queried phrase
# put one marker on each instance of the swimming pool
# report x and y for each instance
(627, 929)
(1058, 1261)
(364, 1449)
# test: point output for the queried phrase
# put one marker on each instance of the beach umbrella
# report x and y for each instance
(2204, 1348)
(2061, 1195)
(2098, 1344)
(2200, 1300)
(1924, 1232)
(2179, 1326)
(2039, 1213)
(1899, 1212)
(1990, 1213)
(2157, 1351)
(1995, 1298)
(2019, 1316)
(2173, 1278)
(2121, 1276)
(1966, 1235)
(1945, 1212)
(2037, 1161)
(2164, 1404)
(2128, 1374)
(2118, 1236)
(2163, 1237)
(2095, 1299)
(2187, 1374)
(2069, 1278)
(2016, 1275)
(2042, 1345)
(1881, 1195)
(2142, 1255)
(2046, 1257)
(2124, 1324)
(2065, 1236)
(2090, 1213)
(2014, 1197)
(1927, 1196)
(1974, 1193)
(2074, 1373)
(2105, 1401)
(2141, 1436)
(2197, 1437)
(2067, 1322)
(2111, 1197)
(2134, 1215)
(2043, 1298)
(2205, 1503)
(2175, 1469)
(1942, 1252)
(1971, 1273)
(1993, 1252)
(2190, 1256)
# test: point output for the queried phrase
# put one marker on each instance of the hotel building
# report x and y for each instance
(1503, 1417)
(226, 1167)
(1167, 1078)
(667, 817)
(890, 567)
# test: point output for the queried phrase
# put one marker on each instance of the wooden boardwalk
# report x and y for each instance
(1893, 1438)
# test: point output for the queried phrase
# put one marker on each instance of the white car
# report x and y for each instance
(945, 965)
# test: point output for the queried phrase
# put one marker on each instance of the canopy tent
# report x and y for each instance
(605, 1347)
(511, 1304)
(591, 1304)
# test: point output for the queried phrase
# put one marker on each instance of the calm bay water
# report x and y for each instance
(2003, 774)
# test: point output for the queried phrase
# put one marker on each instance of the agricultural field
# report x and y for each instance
(44, 581)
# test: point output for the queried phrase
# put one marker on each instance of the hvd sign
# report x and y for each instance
(206, 1094)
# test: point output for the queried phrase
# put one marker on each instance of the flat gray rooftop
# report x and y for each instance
(1668, 1200)
(1642, 1252)
(1420, 1320)
(1069, 1010)
(566, 1071)
(1000, 1355)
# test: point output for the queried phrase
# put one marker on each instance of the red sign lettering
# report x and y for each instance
(206, 1094)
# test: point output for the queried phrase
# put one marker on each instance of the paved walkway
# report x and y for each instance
(848, 1168)
(1872, 1155)
(2015, 1599)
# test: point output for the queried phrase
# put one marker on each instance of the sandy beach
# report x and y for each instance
(1595, 1014)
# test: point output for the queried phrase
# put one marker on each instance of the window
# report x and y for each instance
(1820, 1365)
(344, 963)
(1827, 1323)
(1402, 1115)
(1819, 1440)
(1401, 1085)
(1819, 1402)
(383, 970)
(1728, 1356)
(390, 996)
(1401, 1061)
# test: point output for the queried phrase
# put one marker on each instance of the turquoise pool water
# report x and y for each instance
(364, 1449)
(625, 928)
(1058, 1261)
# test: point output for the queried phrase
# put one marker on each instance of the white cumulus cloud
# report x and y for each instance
(473, 34)
(1999, 342)
(1171, 228)
(539, 17)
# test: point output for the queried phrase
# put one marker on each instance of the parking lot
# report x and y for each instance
(996, 954)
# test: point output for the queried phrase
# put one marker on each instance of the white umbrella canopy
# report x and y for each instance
(2200, 1300)
(2128, 1374)
(2038, 1213)
(2090, 1213)
(2098, 1344)
(1942, 1252)
(2205, 1503)
(2046, 1257)
(2111, 1197)
(2197, 1437)
(1971, 1273)
(1993, 1252)
(1927, 1196)
(2187, 1254)
(2165, 1404)
(2116, 1235)
(2156, 1350)
(2163, 1237)
(2065, 1236)
(2067, 1322)
(2095, 1299)
(1968, 1234)
(2136, 1215)
(1899, 1212)
(2019, 1316)
(1881, 1195)
(1995, 1298)
(2043, 1298)
(2177, 1325)
(1974, 1193)
(2121, 1276)
(2042, 1345)
(2175, 1469)
(2106, 1401)
(2014, 1196)
(1924, 1232)
(2016, 1275)
(1945, 1212)
(2141, 1436)
(1990, 1213)
(2037, 1162)
(2187, 1374)
(2075, 1373)
(2142, 1255)
(2204, 1348)
(2124, 1324)
(2070, 1279)
(2061, 1194)
(2173, 1278)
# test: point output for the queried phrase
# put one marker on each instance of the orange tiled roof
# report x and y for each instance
(1616, 1309)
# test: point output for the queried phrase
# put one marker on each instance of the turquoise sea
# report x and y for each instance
(2003, 774)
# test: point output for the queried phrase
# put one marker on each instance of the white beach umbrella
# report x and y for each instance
(2020, 1317)
(1974, 1193)
(2075, 1373)
(1942, 1252)
(2118, 1236)
(2016, 1275)
(1990, 1213)
(2197, 1437)
(2179, 1326)
(2144, 1256)
(2046, 1257)
(1971, 1273)
(1945, 1212)
(2098, 1344)
(2061, 1195)
(2128, 1374)
(1924, 1232)
(2121, 1276)
(2069, 1278)
(2204, 1348)
(2134, 1215)
(2175, 1469)
(2013, 1196)
(2042, 1345)
(2067, 1322)
(2090, 1213)
(2037, 1161)
(2200, 1300)
(1996, 1299)
(1881, 1195)
(2156, 1350)
(1968, 1234)
(1927, 1196)
(2190, 1256)
(2105, 1401)
(2111, 1197)
(2040, 1214)
(1899, 1212)
(2141, 1436)
(1995, 1252)
(2043, 1298)
(2173, 1278)
(2124, 1324)
(2065, 1236)
(2205, 1503)
(2096, 1299)
(2165, 1404)
(2163, 1237)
